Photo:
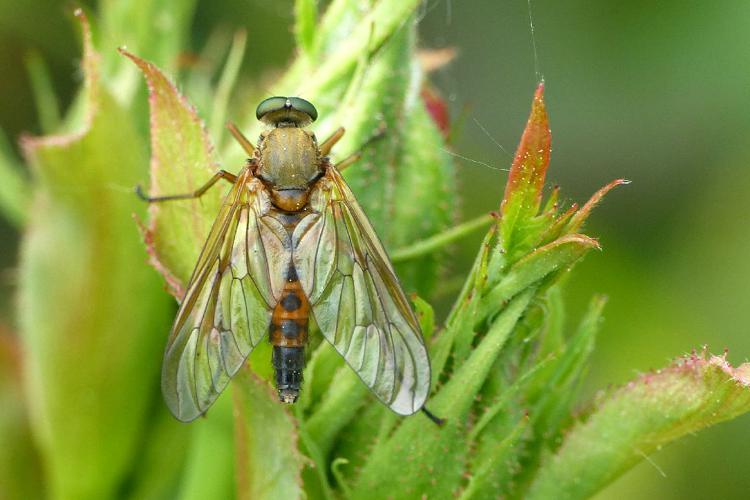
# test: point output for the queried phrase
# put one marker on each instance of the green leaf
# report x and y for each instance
(336, 25)
(340, 404)
(420, 459)
(501, 402)
(372, 424)
(161, 459)
(268, 463)
(181, 161)
(557, 226)
(320, 371)
(156, 29)
(426, 316)
(482, 484)
(226, 84)
(566, 370)
(425, 173)
(632, 422)
(211, 462)
(306, 16)
(15, 189)
(539, 264)
(45, 98)
(199, 82)
(377, 102)
(459, 328)
(418, 445)
(407, 162)
(456, 397)
(92, 316)
(551, 339)
(366, 37)
(552, 396)
(20, 467)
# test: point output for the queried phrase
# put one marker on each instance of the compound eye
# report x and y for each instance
(275, 110)
(304, 106)
(269, 105)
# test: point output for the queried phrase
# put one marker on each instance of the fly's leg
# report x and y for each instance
(352, 158)
(328, 144)
(436, 420)
(221, 174)
(246, 144)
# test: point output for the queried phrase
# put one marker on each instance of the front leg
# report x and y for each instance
(221, 174)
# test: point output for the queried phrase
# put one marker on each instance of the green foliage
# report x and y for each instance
(631, 422)
(15, 192)
(264, 469)
(181, 161)
(506, 372)
(88, 357)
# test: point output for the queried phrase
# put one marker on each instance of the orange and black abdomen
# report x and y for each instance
(288, 335)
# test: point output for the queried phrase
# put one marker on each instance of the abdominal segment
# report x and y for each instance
(288, 335)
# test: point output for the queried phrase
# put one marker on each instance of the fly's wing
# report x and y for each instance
(227, 306)
(356, 298)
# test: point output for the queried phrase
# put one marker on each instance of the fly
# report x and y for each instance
(290, 242)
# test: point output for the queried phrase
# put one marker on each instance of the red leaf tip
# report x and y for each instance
(538, 109)
(529, 167)
(539, 94)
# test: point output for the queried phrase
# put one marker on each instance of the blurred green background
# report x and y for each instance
(657, 93)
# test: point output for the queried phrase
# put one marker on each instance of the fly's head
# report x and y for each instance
(288, 157)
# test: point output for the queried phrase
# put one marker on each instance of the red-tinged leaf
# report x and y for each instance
(182, 160)
(580, 217)
(552, 204)
(556, 226)
(60, 178)
(693, 393)
(523, 191)
(268, 462)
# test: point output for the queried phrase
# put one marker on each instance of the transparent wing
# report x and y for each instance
(227, 306)
(357, 300)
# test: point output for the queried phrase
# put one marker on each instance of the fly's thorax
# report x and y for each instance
(288, 163)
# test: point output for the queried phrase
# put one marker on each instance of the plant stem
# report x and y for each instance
(47, 105)
(226, 83)
(438, 241)
(15, 189)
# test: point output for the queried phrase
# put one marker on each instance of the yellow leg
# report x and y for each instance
(348, 161)
(328, 144)
(246, 145)
(221, 174)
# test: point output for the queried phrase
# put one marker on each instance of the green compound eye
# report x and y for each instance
(275, 110)
(305, 106)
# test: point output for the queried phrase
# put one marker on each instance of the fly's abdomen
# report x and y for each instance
(288, 335)
(288, 362)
